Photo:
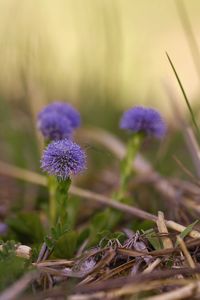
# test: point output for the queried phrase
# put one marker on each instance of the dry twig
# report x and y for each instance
(162, 228)
(185, 292)
(82, 193)
(18, 287)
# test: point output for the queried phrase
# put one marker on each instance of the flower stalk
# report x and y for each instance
(133, 147)
(62, 199)
(141, 122)
(58, 199)
(60, 160)
(52, 199)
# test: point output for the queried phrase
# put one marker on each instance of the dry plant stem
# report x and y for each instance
(117, 270)
(186, 171)
(162, 228)
(16, 172)
(18, 287)
(112, 203)
(156, 253)
(140, 165)
(186, 252)
(140, 279)
(178, 227)
(128, 209)
(42, 252)
(130, 289)
(152, 266)
(95, 296)
(187, 255)
(82, 193)
(56, 263)
(187, 186)
(185, 292)
(193, 205)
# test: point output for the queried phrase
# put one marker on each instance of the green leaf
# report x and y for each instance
(49, 242)
(105, 220)
(153, 239)
(27, 226)
(107, 236)
(8, 249)
(65, 246)
(100, 220)
(72, 211)
(118, 235)
(83, 236)
(142, 225)
(187, 230)
(11, 268)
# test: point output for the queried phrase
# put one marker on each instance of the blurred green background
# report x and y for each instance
(84, 50)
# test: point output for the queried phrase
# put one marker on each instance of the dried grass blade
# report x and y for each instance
(162, 228)
(181, 293)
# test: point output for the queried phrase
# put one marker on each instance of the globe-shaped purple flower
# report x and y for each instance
(54, 126)
(63, 158)
(63, 109)
(142, 119)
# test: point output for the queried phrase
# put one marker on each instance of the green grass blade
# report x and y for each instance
(187, 230)
(184, 95)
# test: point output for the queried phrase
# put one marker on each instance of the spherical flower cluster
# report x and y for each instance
(142, 119)
(54, 126)
(58, 120)
(64, 109)
(63, 158)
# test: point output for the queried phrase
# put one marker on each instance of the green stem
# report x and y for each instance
(109, 218)
(62, 197)
(58, 199)
(52, 199)
(127, 164)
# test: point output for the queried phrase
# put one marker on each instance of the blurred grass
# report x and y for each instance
(114, 47)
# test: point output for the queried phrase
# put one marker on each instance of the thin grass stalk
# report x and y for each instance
(185, 96)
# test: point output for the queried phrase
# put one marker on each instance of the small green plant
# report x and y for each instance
(11, 266)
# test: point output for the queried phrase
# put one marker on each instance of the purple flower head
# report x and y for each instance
(63, 158)
(54, 126)
(142, 119)
(63, 109)
(3, 228)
